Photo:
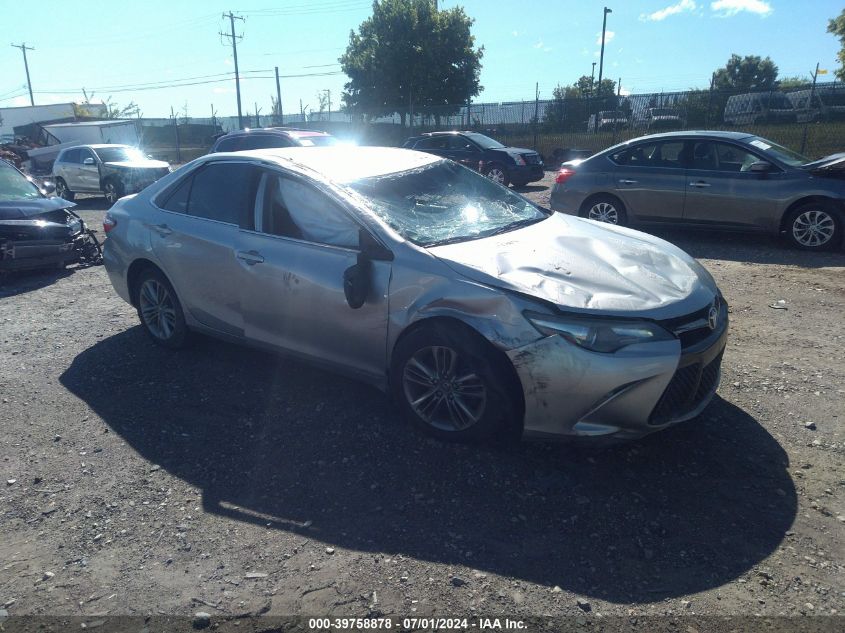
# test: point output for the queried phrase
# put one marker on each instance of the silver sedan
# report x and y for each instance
(481, 312)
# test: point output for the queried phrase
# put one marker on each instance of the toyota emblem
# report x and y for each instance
(713, 317)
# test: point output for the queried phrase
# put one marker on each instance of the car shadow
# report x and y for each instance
(744, 247)
(529, 188)
(20, 282)
(271, 441)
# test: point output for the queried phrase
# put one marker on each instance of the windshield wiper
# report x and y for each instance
(513, 226)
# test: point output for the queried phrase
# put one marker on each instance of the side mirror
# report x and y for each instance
(760, 167)
(88, 161)
(356, 282)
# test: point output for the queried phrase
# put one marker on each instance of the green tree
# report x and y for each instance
(745, 74)
(571, 105)
(790, 83)
(408, 55)
(837, 27)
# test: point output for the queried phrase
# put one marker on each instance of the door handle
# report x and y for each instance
(250, 257)
(700, 183)
(162, 229)
(625, 181)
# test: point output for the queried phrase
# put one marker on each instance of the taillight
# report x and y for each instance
(109, 223)
(564, 174)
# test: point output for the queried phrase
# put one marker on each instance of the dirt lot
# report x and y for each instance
(137, 481)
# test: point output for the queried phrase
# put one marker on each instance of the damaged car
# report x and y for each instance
(38, 231)
(111, 170)
(482, 313)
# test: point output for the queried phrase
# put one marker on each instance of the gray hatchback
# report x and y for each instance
(482, 312)
(714, 180)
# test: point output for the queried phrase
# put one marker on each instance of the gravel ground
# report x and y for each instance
(136, 481)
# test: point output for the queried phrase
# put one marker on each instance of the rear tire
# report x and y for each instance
(450, 383)
(160, 310)
(814, 226)
(62, 190)
(605, 208)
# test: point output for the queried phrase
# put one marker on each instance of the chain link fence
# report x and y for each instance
(808, 118)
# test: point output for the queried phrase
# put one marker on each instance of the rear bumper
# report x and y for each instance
(571, 392)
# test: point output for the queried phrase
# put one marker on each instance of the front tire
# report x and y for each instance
(160, 310)
(62, 190)
(814, 226)
(605, 208)
(497, 174)
(113, 190)
(450, 383)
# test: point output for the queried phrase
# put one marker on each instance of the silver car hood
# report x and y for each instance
(582, 265)
(138, 164)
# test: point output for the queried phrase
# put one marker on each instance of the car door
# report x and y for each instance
(650, 180)
(88, 178)
(195, 236)
(464, 151)
(721, 190)
(293, 254)
(437, 145)
(68, 168)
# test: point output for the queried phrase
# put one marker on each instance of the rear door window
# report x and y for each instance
(223, 192)
(657, 154)
(71, 156)
(231, 144)
(264, 141)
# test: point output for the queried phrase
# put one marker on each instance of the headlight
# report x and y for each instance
(598, 335)
(518, 159)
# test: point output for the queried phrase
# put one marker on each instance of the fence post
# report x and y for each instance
(536, 111)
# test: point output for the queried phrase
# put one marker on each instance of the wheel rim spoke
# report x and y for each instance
(442, 390)
(158, 311)
(813, 228)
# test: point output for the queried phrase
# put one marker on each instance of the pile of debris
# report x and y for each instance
(16, 152)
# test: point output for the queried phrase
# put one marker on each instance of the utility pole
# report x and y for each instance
(24, 48)
(301, 111)
(810, 107)
(279, 98)
(536, 111)
(235, 39)
(175, 118)
(601, 55)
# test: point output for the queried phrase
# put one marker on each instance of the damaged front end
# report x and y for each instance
(53, 238)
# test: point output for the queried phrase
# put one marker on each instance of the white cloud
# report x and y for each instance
(608, 35)
(732, 7)
(539, 44)
(672, 9)
(516, 33)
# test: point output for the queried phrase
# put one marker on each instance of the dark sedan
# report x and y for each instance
(500, 163)
(714, 180)
(38, 231)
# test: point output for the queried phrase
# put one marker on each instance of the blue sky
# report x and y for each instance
(653, 45)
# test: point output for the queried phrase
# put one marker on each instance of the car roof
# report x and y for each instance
(282, 131)
(97, 146)
(341, 164)
(693, 133)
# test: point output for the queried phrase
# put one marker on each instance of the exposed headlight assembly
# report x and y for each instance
(596, 334)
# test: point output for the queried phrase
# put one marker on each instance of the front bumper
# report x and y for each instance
(32, 254)
(526, 173)
(572, 392)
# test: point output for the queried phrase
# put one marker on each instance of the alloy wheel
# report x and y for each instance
(813, 228)
(157, 309)
(496, 175)
(61, 189)
(443, 390)
(604, 212)
(111, 193)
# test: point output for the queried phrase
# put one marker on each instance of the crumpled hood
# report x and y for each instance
(832, 162)
(138, 164)
(581, 265)
(23, 209)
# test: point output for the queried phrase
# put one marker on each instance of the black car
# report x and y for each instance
(502, 164)
(269, 137)
(38, 231)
